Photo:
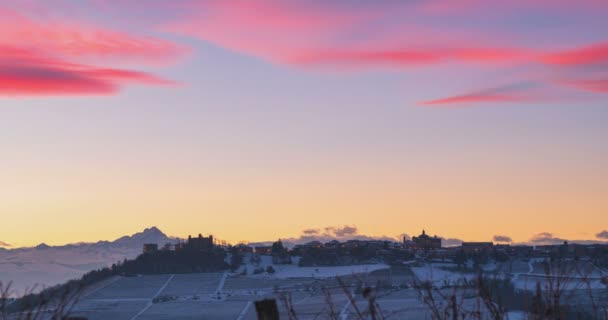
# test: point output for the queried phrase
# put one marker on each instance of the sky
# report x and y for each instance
(257, 120)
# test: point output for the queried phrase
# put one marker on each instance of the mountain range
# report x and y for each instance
(33, 268)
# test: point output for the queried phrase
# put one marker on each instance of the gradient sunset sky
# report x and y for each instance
(254, 120)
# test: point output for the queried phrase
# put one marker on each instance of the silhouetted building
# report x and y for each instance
(353, 243)
(425, 242)
(150, 247)
(242, 248)
(200, 243)
(333, 244)
(263, 250)
(313, 244)
(180, 246)
(470, 247)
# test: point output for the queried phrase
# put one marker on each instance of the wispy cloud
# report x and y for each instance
(26, 72)
(311, 231)
(395, 35)
(341, 232)
(592, 85)
(47, 56)
(4, 244)
(513, 93)
(502, 238)
(403, 57)
(593, 54)
(306, 34)
(602, 235)
(71, 38)
(583, 68)
(546, 238)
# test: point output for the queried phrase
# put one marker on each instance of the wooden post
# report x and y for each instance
(267, 309)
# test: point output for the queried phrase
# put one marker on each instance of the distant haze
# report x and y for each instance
(43, 265)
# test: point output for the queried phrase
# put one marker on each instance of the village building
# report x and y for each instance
(243, 248)
(200, 243)
(266, 250)
(424, 242)
(473, 247)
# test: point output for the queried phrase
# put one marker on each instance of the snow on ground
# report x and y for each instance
(528, 282)
(193, 284)
(126, 297)
(517, 315)
(440, 276)
(286, 271)
(133, 297)
(291, 271)
(577, 275)
(490, 267)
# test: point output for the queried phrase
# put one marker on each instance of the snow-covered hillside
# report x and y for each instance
(44, 265)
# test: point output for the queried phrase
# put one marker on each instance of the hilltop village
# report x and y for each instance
(205, 274)
(468, 255)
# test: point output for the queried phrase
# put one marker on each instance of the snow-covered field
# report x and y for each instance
(103, 310)
(194, 285)
(195, 310)
(525, 275)
(575, 275)
(440, 275)
(195, 296)
(286, 271)
(141, 287)
(231, 296)
(291, 271)
(528, 282)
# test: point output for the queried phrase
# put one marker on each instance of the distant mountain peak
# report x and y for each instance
(148, 235)
(150, 232)
(153, 230)
(42, 246)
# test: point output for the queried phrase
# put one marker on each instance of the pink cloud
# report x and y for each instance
(583, 67)
(51, 57)
(273, 30)
(391, 57)
(296, 33)
(592, 85)
(407, 57)
(82, 40)
(321, 34)
(328, 34)
(25, 73)
(467, 7)
(513, 93)
(473, 98)
(597, 53)
(489, 54)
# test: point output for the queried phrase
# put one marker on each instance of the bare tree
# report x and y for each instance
(48, 307)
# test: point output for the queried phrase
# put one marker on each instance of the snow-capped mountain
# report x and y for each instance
(44, 265)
